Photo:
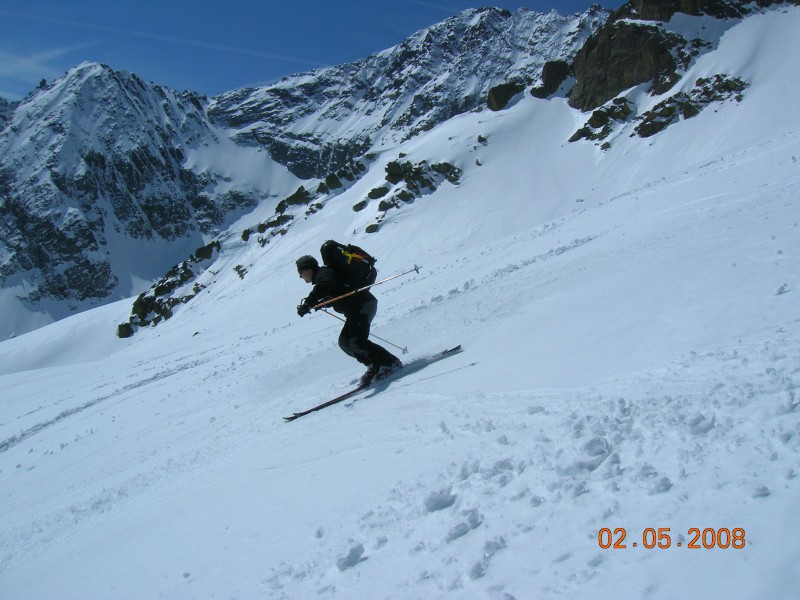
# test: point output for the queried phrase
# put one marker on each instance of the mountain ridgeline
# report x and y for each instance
(107, 181)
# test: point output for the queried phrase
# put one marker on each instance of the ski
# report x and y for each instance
(336, 400)
(412, 366)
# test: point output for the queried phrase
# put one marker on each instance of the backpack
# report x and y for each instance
(356, 265)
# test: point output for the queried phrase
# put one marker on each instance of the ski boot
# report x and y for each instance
(368, 376)
(386, 370)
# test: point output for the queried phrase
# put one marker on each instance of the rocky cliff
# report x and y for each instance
(632, 48)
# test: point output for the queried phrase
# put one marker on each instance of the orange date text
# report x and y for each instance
(661, 537)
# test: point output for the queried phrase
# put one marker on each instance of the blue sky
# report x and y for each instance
(213, 46)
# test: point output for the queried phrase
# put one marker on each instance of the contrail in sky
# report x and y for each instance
(171, 39)
(448, 9)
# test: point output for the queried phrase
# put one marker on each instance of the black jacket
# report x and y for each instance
(328, 283)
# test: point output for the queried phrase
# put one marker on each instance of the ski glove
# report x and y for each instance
(303, 309)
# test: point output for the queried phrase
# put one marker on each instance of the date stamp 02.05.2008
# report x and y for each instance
(661, 537)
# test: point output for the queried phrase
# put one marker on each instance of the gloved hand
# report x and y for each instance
(303, 309)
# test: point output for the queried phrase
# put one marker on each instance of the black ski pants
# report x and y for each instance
(354, 338)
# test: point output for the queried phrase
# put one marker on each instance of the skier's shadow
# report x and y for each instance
(415, 366)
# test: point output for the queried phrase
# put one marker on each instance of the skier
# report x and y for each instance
(359, 310)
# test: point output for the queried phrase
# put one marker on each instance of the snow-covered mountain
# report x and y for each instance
(108, 181)
(316, 121)
(105, 185)
(627, 306)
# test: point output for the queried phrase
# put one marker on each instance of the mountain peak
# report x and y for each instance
(94, 160)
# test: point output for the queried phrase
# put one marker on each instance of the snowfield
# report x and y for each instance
(631, 332)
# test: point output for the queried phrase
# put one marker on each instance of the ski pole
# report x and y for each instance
(366, 287)
(405, 350)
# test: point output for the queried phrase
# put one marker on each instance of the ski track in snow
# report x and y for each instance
(76, 410)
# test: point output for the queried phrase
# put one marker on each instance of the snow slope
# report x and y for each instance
(632, 342)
